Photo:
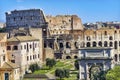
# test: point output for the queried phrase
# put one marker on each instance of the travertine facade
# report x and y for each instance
(63, 24)
(25, 18)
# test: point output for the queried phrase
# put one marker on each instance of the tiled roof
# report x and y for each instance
(2, 35)
(22, 38)
(9, 65)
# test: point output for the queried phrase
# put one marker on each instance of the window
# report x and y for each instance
(115, 44)
(24, 46)
(110, 38)
(88, 44)
(111, 44)
(8, 47)
(94, 44)
(105, 33)
(30, 57)
(116, 57)
(30, 46)
(27, 58)
(105, 44)
(38, 55)
(4, 58)
(21, 47)
(15, 48)
(100, 44)
(88, 38)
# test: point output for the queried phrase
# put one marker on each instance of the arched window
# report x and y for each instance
(68, 45)
(116, 57)
(111, 44)
(100, 43)
(105, 33)
(88, 44)
(68, 57)
(115, 32)
(105, 44)
(115, 44)
(94, 44)
(76, 45)
(61, 45)
(110, 38)
(88, 38)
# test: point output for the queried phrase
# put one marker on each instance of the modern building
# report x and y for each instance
(8, 70)
(23, 51)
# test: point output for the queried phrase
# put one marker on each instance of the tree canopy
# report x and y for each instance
(113, 74)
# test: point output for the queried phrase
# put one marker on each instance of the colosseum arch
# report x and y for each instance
(61, 45)
(105, 44)
(68, 57)
(100, 43)
(75, 57)
(111, 44)
(68, 45)
(88, 44)
(110, 38)
(94, 44)
(76, 45)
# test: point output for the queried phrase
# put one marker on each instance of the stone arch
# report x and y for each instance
(68, 57)
(75, 57)
(94, 70)
(116, 57)
(100, 43)
(111, 44)
(88, 44)
(68, 45)
(88, 38)
(105, 44)
(115, 45)
(61, 45)
(76, 45)
(94, 44)
(110, 38)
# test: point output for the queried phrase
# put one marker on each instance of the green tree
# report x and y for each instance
(113, 74)
(50, 62)
(34, 67)
(66, 73)
(60, 73)
(76, 64)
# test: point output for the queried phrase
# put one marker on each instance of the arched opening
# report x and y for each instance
(111, 44)
(76, 45)
(115, 44)
(116, 57)
(75, 57)
(88, 38)
(88, 44)
(68, 57)
(68, 45)
(105, 33)
(94, 44)
(45, 44)
(61, 45)
(100, 43)
(110, 38)
(105, 44)
(50, 45)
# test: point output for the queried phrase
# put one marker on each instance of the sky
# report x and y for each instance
(87, 10)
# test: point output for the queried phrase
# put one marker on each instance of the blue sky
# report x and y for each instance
(87, 10)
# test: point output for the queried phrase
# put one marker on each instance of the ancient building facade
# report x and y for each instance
(63, 24)
(104, 37)
(94, 60)
(31, 18)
